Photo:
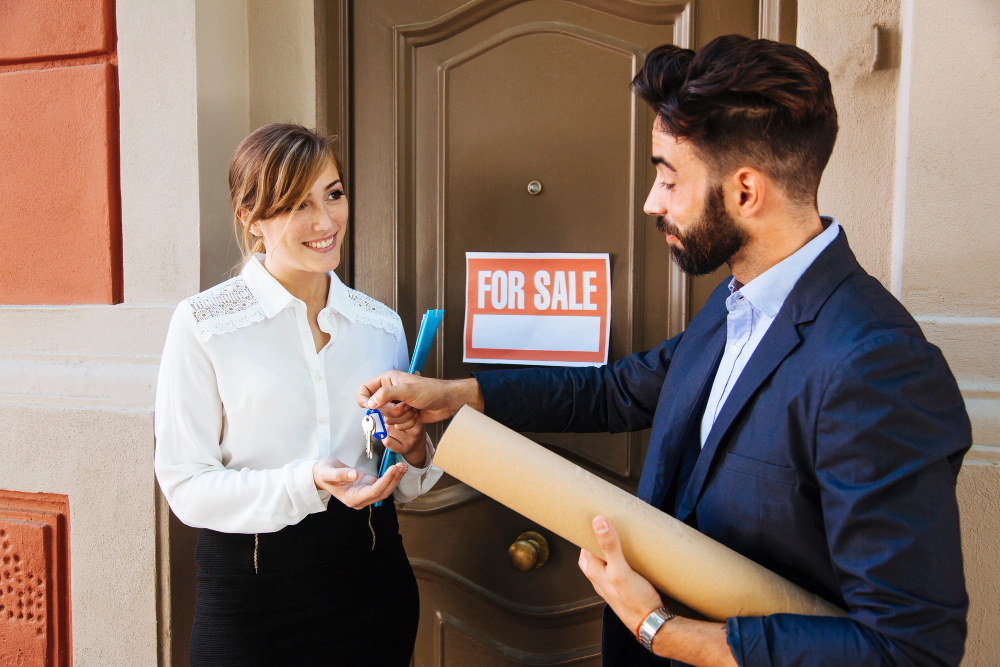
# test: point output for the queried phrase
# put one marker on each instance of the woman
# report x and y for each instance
(259, 440)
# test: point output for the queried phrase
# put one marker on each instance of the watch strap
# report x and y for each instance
(651, 625)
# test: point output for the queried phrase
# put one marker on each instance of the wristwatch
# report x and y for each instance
(651, 625)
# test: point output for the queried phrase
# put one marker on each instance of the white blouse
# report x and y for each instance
(245, 405)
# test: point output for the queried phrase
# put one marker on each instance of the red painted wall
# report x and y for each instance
(59, 189)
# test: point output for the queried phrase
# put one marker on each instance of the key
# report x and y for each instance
(368, 425)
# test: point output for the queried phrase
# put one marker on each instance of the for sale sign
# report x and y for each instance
(551, 309)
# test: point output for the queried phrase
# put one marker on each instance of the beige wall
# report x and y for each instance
(979, 502)
(100, 459)
(282, 62)
(77, 382)
(159, 149)
(223, 120)
(912, 179)
(857, 186)
(947, 259)
(256, 65)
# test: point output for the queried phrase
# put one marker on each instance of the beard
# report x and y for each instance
(713, 240)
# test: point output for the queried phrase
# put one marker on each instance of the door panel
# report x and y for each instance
(497, 89)
(456, 107)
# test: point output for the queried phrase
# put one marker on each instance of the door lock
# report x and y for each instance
(529, 552)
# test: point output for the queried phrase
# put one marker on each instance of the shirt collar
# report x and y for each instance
(338, 299)
(270, 294)
(768, 291)
(274, 298)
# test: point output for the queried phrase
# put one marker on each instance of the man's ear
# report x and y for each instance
(751, 188)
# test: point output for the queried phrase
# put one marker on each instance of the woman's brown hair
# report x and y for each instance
(272, 172)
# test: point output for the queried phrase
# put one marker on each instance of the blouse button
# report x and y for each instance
(319, 377)
(322, 420)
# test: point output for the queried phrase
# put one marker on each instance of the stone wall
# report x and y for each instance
(912, 178)
(99, 207)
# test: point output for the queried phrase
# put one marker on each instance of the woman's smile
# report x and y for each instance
(325, 244)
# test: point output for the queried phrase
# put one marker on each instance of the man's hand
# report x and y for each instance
(628, 594)
(433, 400)
(352, 488)
(632, 597)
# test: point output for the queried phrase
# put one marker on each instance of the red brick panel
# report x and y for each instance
(34, 585)
(24, 574)
(49, 29)
(59, 191)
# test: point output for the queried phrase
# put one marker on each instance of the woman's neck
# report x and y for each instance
(307, 286)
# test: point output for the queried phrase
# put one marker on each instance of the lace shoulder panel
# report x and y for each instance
(225, 308)
(375, 313)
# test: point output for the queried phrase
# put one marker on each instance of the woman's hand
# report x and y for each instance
(408, 439)
(352, 488)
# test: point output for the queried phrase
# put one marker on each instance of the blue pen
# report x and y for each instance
(425, 338)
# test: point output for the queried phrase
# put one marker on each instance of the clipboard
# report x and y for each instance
(425, 338)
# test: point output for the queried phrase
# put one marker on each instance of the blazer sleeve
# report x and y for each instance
(889, 443)
(617, 397)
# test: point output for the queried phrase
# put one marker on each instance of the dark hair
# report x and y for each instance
(746, 102)
(271, 172)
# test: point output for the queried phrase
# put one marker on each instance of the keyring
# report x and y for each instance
(379, 435)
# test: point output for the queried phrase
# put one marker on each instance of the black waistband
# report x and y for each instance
(339, 534)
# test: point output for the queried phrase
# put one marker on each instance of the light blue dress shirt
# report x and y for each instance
(752, 308)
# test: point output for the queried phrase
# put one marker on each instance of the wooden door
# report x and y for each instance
(455, 107)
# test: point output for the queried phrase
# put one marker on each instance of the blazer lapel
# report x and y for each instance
(781, 338)
(691, 369)
(812, 290)
(664, 453)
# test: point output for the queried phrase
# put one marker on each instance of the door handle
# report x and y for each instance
(529, 552)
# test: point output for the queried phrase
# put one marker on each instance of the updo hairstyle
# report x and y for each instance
(272, 172)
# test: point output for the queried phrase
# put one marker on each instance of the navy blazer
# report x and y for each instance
(832, 462)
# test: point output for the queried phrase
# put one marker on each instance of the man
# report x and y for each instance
(801, 419)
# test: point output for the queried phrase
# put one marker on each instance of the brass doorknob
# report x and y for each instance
(529, 552)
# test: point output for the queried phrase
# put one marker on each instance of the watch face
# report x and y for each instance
(651, 626)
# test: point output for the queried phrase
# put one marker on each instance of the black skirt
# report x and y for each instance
(318, 594)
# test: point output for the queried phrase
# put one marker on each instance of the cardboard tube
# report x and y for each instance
(692, 568)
